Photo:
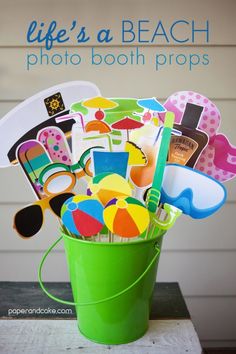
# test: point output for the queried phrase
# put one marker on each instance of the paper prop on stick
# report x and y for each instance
(127, 124)
(126, 217)
(29, 220)
(57, 178)
(97, 126)
(82, 215)
(37, 112)
(54, 141)
(154, 193)
(99, 103)
(209, 123)
(195, 193)
(107, 186)
(218, 160)
(152, 105)
(110, 162)
(33, 158)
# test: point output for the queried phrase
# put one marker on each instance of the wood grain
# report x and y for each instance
(48, 336)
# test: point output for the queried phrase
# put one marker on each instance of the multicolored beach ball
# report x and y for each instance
(82, 215)
(107, 186)
(126, 217)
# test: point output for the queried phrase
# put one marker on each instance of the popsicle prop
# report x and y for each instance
(82, 215)
(154, 192)
(209, 123)
(195, 193)
(33, 158)
(127, 124)
(54, 141)
(107, 186)
(126, 217)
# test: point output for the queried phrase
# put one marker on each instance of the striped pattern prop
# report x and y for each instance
(82, 215)
(126, 217)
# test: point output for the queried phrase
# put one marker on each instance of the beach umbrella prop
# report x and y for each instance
(126, 107)
(100, 103)
(151, 104)
(126, 217)
(107, 186)
(97, 126)
(127, 124)
(82, 215)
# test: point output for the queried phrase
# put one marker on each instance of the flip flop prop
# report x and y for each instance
(107, 186)
(54, 141)
(82, 215)
(38, 112)
(209, 123)
(33, 158)
(126, 217)
(195, 193)
(29, 220)
(99, 103)
(151, 104)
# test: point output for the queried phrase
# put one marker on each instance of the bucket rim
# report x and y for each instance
(113, 244)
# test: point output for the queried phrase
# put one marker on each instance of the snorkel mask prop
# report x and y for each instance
(193, 192)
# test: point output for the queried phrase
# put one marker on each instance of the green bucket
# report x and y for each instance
(112, 285)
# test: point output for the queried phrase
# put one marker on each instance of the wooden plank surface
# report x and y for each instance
(48, 336)
(167, 303)
(96, 15)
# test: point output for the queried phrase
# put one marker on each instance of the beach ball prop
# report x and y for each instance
(82, 215)
(126, 217)
(107, 186)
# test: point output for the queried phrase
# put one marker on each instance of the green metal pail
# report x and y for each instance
(112, 285)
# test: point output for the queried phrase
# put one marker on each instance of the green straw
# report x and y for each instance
(155, 191)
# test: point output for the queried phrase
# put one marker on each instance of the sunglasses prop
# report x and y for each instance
(29, 220)
(54, 141)
(37, 112)
(33, 158)
(195, 193)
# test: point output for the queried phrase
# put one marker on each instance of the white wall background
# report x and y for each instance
(200, 255)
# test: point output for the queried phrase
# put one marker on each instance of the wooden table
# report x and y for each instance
(32, 331)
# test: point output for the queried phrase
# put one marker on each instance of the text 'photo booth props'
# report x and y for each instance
(38, 112)
(82, 215)
(195, 193)
(29, 220)
(126, 217)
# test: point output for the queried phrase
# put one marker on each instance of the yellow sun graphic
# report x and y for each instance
(54, 104)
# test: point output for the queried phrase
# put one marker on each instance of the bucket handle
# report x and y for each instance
(65, 302)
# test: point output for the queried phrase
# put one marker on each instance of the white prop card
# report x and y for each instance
(37, 112)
